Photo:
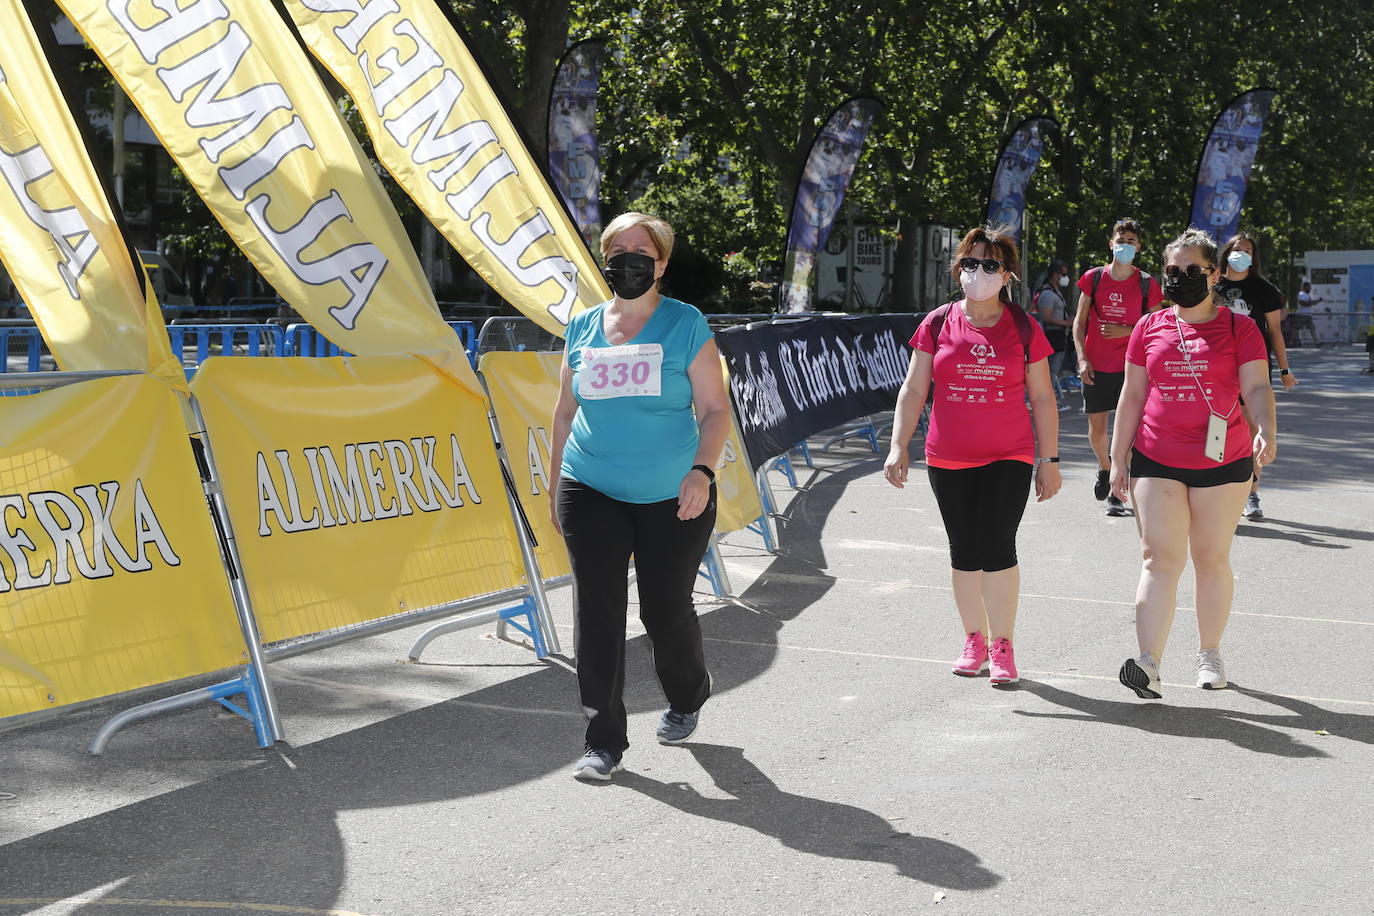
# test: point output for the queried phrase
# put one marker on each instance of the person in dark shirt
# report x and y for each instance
(1246, 292)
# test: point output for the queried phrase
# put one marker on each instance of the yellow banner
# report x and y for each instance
(58, 236)
(236, 102)
(738, 504)
(439, 128)
(522, 388)
(110, 572)
(358, 488)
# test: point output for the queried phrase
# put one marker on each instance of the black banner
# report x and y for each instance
(791, 379)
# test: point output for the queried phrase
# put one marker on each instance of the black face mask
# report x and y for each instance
(630, 274)
(1184, 292)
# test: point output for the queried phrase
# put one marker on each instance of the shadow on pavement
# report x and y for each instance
(821, 828)
(1310, 717)
(1261, 531)
(269, 834)
(1178, 721)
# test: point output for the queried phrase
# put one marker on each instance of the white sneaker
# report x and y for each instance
(1211, 673)
(1252, 508)
(1142, 675)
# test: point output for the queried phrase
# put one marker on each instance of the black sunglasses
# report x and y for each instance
(989, 265)
(1192, 271)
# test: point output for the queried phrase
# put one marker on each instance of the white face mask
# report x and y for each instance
(979, 285)
(1064, 280)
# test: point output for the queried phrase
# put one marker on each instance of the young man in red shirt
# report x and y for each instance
(1111, 300)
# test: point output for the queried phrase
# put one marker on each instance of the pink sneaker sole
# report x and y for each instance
(970, 672)
(1004, 679)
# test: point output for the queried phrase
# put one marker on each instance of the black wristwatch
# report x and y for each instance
(1053, 459)
(1283, 372)
(710, 474)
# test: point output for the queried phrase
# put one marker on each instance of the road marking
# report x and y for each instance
(170, 904)
(945, 662)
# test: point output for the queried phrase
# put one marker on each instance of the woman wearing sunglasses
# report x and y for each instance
(1182, 451)
(984, 355)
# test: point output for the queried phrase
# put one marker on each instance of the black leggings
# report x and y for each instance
(982, 509)
(601, 534)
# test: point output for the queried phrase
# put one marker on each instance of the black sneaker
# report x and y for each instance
(1115, 507)
(1103, 486)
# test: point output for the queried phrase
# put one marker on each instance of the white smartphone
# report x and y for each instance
(1215, 447)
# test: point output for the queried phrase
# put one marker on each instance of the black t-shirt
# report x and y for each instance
(1253, 296)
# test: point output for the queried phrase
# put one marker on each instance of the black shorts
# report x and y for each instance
(1102, 395)
(1242, 470)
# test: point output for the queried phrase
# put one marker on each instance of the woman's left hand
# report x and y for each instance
(693, 495)
(1289, 380)
(1047, 481)
(1265, 449)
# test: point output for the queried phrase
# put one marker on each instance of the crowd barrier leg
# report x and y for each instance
(806, 453)
(784, 464)
(867, 430)
(244, 685)
(714, 569)
(510, 615)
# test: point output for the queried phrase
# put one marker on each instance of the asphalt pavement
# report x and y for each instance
(840, 767)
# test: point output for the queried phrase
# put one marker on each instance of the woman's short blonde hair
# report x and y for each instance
(658, 230)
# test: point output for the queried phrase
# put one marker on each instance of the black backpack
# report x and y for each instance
(1018, 317)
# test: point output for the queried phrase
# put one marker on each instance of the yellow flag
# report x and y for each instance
(58, 236)
(237, 104)
(439, 128)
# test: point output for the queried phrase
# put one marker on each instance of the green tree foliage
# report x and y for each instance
(708, 108)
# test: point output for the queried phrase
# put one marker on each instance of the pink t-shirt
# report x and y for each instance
(1173, 429)
(1117, 301)
(978, 406)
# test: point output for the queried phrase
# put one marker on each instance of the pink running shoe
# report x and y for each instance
(974, 661)
(1003, 663)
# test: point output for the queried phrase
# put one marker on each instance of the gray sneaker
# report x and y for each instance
(676, 727)
(597, 764)
(1115, 507)
(1211, 673)
(1142, 675)
(1252, 508)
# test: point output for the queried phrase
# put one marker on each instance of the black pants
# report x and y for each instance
(601, 534)
(982, 509)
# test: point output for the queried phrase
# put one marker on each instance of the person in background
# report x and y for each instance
(985, 355)
(1183, 454)
(1111, 300)
(639, 423)
(1053, 312)
(1244, 290)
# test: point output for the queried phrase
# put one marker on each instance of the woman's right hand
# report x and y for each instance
(895, 467)
(553, 505)
(1085, 371)
(1121, 480)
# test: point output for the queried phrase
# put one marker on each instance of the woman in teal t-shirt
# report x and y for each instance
(640, 422)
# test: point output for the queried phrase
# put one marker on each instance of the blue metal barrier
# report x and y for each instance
(32, 343)
(305, 340)
(225, 340)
